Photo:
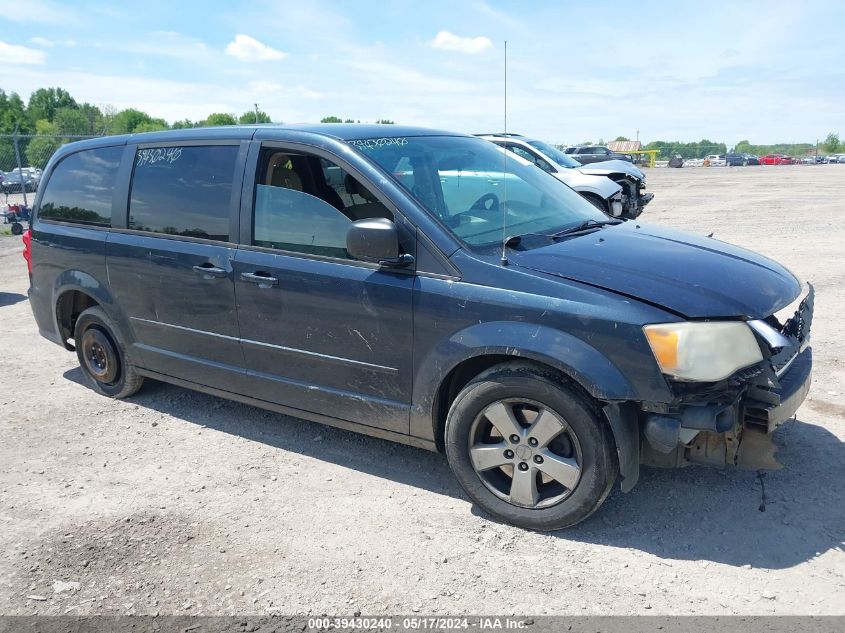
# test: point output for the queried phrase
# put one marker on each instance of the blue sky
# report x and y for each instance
(769, 71)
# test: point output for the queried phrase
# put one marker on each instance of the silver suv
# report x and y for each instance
(622, 173)
(601, 192)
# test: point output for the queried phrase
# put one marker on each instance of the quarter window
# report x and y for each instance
(305, 204)
(184, 191)
(80, 187)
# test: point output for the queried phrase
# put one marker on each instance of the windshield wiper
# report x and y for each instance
(586, 225)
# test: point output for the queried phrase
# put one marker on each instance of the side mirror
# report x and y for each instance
(376, 240)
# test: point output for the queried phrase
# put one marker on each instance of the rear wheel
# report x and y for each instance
(528, 449)
(102, 356)
(17, 228)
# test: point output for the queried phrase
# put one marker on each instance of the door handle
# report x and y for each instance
(262, 280)
(210, 271)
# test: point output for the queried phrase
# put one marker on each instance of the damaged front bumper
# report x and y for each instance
(730, 422)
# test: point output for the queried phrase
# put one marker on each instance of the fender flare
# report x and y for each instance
(87, 284)
(577, 359)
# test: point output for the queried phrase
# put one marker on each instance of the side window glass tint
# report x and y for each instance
(305, 204)
(524, 153)
(183, 190)
(80, 187)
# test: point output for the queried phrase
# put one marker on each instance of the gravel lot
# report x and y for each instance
(178, 502)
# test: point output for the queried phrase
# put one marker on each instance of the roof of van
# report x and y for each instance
(341, 131)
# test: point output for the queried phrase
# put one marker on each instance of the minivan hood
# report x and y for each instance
(609, 166)
(691, 276)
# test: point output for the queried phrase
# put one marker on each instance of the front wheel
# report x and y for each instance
(598, 203)
(528, 449)
(102, 356)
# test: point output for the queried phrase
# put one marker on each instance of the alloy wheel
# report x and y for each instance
(525, 453)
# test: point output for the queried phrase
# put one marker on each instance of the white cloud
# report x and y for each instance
(48, 43)
(248, 49)
(450, 42)
(14, 54)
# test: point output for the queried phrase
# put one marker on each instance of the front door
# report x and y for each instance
(320, 332)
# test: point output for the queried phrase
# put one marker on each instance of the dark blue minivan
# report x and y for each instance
(424, 287)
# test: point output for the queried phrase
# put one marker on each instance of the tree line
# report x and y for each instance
(53, 117)
(700, 149)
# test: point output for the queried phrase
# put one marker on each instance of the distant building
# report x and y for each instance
(624, 146)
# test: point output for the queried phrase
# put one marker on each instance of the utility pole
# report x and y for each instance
(256, 113)
(638, 135)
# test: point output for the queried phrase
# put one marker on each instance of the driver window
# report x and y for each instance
(305, 204)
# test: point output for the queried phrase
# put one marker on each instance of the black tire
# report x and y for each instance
(545, 388)
(102, 356)
(17, 228)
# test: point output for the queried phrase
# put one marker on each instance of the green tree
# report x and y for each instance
(125, 121)
(13, 115)
(832, 143)
(71, 121)
(94, 117)
(44, 102)
(251, 116)
(153, 125)
(332, 119)
(181, 125)
(40, 148)
(220, 118)
(386, 122)
(621, 138)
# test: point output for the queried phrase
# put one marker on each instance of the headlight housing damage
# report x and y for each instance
(703, 351)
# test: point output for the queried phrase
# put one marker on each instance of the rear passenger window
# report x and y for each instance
(183, 191)
(80, 187)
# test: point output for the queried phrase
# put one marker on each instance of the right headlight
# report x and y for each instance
(703, 351)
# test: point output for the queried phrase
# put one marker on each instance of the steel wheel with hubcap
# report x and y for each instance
(529, 448)
(102, 356)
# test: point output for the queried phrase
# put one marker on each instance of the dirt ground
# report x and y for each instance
(178, 502)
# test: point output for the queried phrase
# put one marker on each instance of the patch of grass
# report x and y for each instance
(5, 230)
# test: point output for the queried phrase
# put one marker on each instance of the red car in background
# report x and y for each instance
(776, 159)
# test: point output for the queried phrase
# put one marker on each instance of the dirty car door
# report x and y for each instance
(170, 269)
(320, 332)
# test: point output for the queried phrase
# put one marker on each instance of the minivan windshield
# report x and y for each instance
(479, 191)
(555, 154)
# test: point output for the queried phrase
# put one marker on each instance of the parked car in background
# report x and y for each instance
(498, 317)
(595, 154)
(776, 159)
(25, 179)
(715, 160)
(741, 159)
(630, 178)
